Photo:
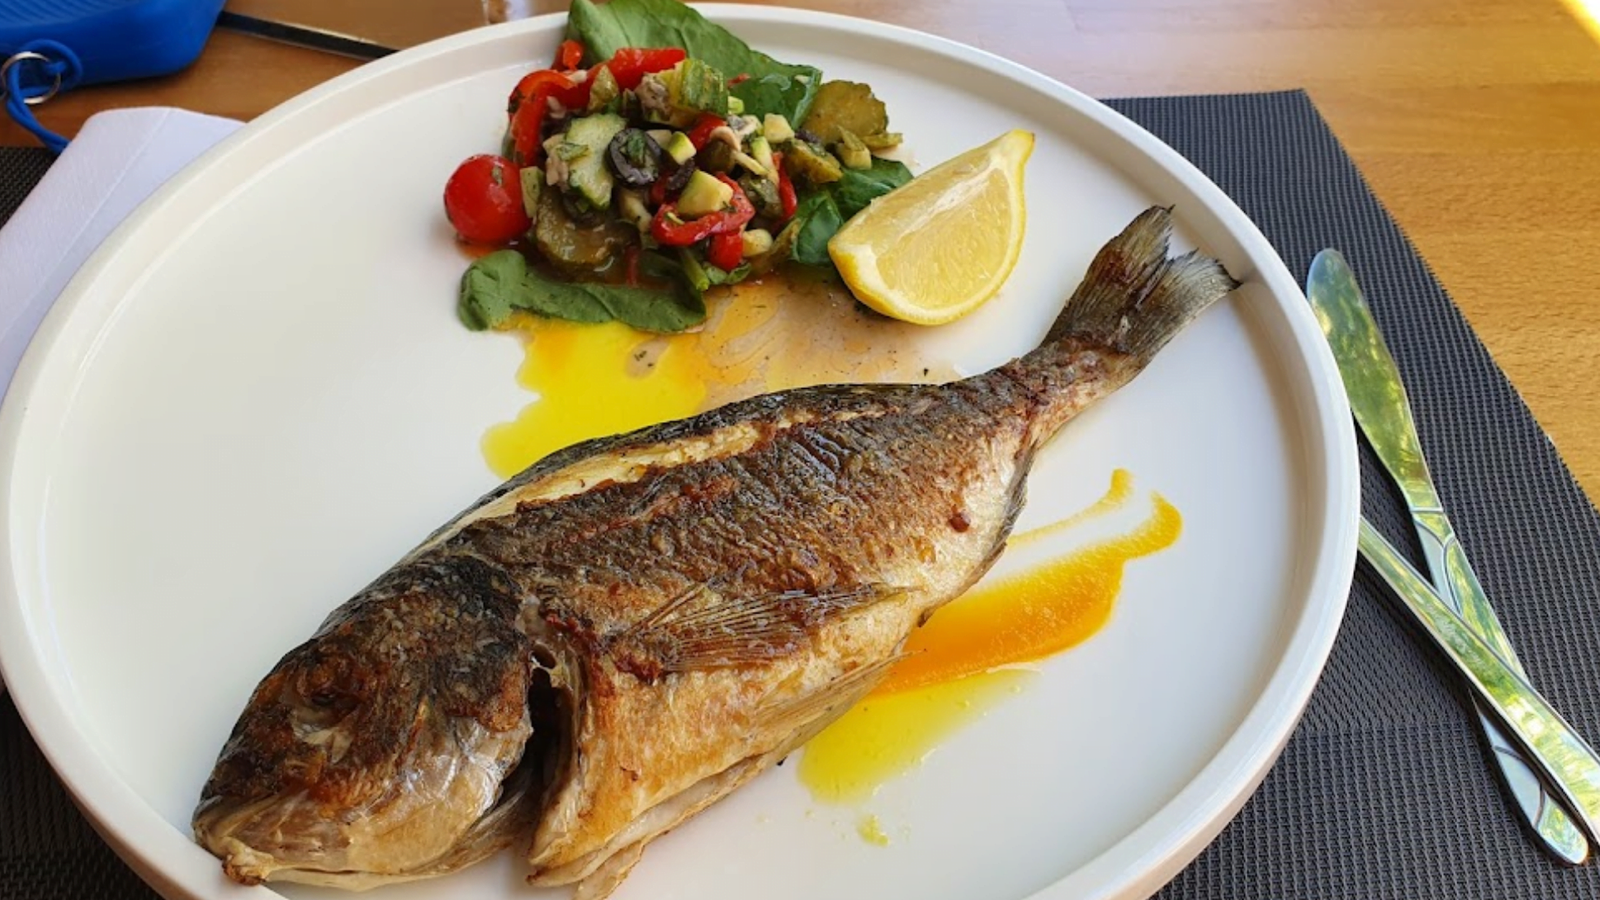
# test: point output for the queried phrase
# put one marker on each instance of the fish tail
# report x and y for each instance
(1134, 299)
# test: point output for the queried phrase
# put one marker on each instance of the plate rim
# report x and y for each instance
(1185, 825)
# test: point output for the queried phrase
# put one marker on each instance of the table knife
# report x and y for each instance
(1553, 745)
(1382, 409)
(304, 36)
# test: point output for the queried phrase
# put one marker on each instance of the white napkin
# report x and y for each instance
(117, 159)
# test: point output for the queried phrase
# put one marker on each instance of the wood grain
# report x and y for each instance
(1476, 122)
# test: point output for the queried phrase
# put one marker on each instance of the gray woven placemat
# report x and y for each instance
(1385, 790)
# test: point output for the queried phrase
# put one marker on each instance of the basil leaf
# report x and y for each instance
(815, 221)
(732, 276)
(490, 288)
(773, 87)
(496, 284)
(857, 187)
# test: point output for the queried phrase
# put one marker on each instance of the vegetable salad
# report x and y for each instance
(657, 157)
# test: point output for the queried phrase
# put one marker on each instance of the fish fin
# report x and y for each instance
(704, 629)
(1134, 299)
(821, 706)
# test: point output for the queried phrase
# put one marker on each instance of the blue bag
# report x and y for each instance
(50, 46)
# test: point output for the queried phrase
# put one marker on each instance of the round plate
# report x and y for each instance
(255, 397)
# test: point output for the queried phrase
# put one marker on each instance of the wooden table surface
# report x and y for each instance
(1477, 122)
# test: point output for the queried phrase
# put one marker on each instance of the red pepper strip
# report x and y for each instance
(658, 191)
(530, 104)
(700, 131)
(629, 65)
(530, 98)
(726, 250)
(568, 55)
(683, 233)
(741, 78)
(786, 194)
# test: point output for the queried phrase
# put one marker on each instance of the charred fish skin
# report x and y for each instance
(402, 716)
(697, 598)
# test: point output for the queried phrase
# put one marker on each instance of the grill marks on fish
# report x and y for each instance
(619, 459)
(760, 524)
(635, 626)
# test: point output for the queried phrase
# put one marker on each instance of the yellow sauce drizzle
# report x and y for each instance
(956, 665)
(886, 735)
(598, 380)
(580, 371)
(1115, 497)
(1033, 613)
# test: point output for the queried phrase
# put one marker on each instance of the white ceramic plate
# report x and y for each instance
(255, 397)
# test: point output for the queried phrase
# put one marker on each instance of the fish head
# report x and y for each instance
(377, 750)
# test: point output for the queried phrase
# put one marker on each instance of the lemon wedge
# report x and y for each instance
(940, 246)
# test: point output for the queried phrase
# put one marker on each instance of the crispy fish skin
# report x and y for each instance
(634, 626)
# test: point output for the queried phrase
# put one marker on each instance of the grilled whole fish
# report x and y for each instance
(633, 627)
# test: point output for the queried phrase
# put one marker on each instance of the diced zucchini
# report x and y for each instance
(751, 164)
(632, 207)
(680, 148)
(735, 105)
(532, 179)
(756, 241)
(662, 136)
(762, 151)
(776, 128)
(852, 152)
(604, 90)
(886, 141)
(703, 194)
(587, 173)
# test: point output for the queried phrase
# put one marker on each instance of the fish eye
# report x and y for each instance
(328, 682)
(324, 699)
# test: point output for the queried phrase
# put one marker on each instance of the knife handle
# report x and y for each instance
(1457, 584)
(1459, 587)
(1552, 745)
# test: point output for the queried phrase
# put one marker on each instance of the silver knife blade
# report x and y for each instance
(1383, 410)
(1556, 747)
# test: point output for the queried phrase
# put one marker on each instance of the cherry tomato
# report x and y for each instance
(483, 200)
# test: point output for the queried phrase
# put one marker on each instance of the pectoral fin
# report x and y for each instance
(812, 711)
(706, 629)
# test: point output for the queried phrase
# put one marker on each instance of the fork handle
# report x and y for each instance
(1459, 588)
(1552, 745)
